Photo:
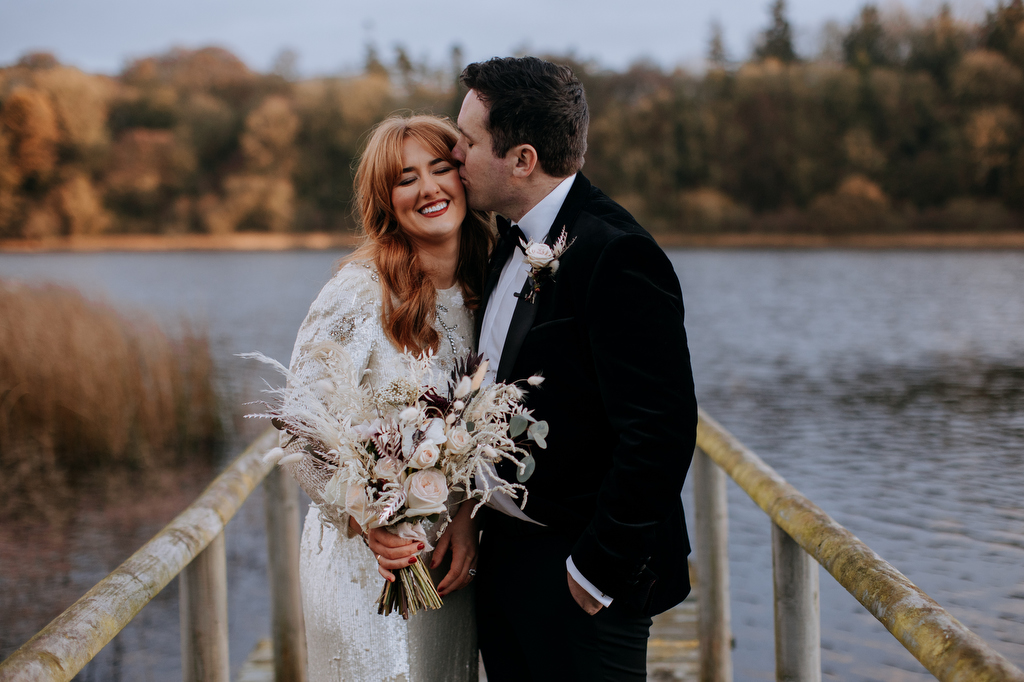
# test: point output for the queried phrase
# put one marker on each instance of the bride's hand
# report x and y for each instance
(392, 552)
(461, 536)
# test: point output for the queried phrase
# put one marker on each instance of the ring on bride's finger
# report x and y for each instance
(378, 558)
(472, 572)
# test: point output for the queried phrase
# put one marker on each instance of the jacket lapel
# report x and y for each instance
(526, 312)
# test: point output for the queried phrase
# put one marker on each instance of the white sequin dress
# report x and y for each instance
(347, 639)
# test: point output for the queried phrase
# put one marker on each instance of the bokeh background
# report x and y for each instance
(737, 117)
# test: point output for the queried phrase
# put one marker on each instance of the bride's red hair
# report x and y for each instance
(409, 294)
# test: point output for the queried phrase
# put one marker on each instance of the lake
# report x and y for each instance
(888, 386)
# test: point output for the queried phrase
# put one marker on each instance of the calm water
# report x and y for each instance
(888, 387)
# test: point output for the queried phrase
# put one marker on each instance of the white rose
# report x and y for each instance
(426, 455)
(351, 498)
(459, 440)
(427, 492)
(539, 255)
(388, 468)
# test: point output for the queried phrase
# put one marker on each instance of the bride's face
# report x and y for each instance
(428, 198)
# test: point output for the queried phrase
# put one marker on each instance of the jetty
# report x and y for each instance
(691, 642)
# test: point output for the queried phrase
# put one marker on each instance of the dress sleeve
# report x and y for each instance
(346, 311)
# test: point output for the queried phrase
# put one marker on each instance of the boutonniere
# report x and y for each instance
(543, 262)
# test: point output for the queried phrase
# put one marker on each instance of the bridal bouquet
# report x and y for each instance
(396, 455)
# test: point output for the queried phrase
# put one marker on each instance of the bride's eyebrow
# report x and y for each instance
(431, 165)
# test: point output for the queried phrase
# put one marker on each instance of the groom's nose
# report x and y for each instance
(457, 152)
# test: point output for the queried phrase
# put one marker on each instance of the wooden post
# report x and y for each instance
(204, 616)
(712, 525)
(797, 618)
(281, 499)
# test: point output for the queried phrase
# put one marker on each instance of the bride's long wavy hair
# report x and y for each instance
(409, 294)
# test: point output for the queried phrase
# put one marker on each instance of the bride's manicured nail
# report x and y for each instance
(412, 560)
(421, 546)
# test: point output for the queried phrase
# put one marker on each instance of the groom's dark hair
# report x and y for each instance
(533, 102)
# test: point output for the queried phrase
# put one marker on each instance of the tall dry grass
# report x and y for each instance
(89, 397)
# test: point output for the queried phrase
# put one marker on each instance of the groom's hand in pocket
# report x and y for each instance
(582, 597)
(461, 537)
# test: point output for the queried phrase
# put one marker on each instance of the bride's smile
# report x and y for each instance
(428, 198)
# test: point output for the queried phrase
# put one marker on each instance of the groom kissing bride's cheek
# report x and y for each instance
(578, 292)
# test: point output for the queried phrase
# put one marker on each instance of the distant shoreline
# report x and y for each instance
(320, 241)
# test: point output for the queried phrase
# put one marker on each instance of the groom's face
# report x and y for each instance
(486, 176)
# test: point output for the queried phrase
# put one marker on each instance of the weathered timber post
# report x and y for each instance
(797, 616)
(712, 518)
(281, 495)
(204, 616)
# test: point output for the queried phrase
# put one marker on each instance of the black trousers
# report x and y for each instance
(530, 628)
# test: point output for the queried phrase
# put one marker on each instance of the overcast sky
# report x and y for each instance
(331, 35)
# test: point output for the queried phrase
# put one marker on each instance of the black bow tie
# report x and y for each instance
(509, 232)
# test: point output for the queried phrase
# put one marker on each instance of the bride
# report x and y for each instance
(412, 285)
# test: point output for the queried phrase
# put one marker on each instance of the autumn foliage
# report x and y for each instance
(899, 124)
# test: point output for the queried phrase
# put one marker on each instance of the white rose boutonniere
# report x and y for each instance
(542, 261)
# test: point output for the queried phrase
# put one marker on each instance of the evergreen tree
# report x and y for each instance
(777, 40)
(866, 44)
(716, 47)
(1002, 25)
(938, 47)
(374, 66)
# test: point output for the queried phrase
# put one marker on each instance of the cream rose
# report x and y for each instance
(459, 440)
(427, 492)
(426, 455)
(352, 499)
(539, 255)
(388, 468)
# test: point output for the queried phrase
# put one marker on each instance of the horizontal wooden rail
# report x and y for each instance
(72, 639)
(950, 651)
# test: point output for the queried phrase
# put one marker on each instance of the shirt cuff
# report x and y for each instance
(586, 584)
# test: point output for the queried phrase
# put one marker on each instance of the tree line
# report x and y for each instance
(897, 124)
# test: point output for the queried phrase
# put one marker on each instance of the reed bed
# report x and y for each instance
(89, 396)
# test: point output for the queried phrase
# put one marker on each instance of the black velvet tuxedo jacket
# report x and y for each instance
(607, 335)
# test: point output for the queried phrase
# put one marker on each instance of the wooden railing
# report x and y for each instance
(804, 536)
(192, 545)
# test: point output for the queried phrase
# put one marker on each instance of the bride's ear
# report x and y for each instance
(524, 158)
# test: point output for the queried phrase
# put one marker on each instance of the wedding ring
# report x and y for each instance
(378, 558)
(472, 572)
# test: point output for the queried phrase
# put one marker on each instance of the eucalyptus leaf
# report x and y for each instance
(518, 425)
(470, 426)
(529, 465)
(538, 432)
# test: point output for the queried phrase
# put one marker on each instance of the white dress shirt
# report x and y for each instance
(501, 305)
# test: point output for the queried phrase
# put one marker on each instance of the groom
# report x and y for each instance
(567, 586)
